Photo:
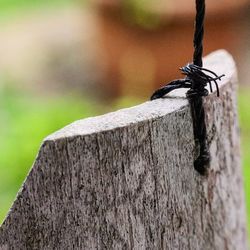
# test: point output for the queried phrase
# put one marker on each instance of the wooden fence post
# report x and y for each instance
(126, 180)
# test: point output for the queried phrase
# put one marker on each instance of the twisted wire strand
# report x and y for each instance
(199, 32)
(193, 74)
(196, 80)
(197, 90)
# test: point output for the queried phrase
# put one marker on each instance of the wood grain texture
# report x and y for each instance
(126, 180)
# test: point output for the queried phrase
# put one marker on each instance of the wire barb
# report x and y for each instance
(193, 75)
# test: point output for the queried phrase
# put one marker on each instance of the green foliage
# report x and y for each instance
(244, 116)
(8, 5)
(142, 13)
(13, 9)
(24, 122)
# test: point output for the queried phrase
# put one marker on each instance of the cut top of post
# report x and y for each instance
(220, 61)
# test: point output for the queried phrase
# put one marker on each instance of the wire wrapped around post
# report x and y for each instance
(196, 93)
(196, 80)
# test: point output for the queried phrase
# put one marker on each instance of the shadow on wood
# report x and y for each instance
(126, 180)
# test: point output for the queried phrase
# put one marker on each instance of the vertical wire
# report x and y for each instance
(196, 80)
(199, 32)
(195, 94)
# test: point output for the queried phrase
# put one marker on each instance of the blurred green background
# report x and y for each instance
(41, 94)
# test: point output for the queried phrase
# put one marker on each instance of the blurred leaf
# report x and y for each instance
(24, 122)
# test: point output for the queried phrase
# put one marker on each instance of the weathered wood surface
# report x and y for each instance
(126, 180)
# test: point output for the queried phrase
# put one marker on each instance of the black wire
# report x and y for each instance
(199, 32)
(197, 91)
(196, 80)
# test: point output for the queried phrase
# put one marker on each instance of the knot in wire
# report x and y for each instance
(196, 80)
(199, 77)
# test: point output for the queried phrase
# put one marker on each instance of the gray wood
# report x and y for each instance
(125, 180)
